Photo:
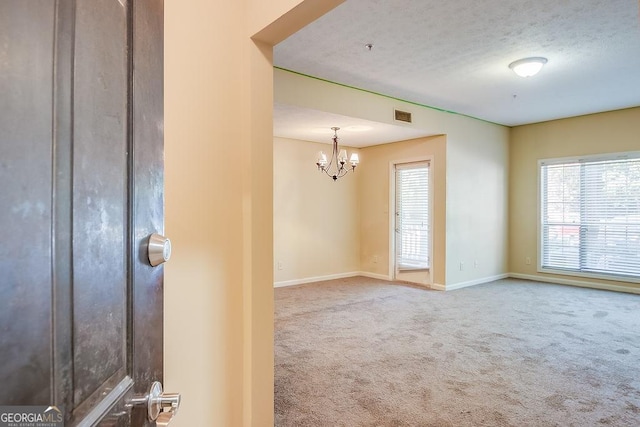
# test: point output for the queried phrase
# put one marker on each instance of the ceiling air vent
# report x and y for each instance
(402, 116)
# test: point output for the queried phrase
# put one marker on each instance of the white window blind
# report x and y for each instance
(412, 216)
(591, 216)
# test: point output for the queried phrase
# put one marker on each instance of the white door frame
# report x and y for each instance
(419, 277)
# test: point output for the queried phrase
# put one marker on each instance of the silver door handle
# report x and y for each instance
(161, 407)
(159, 249)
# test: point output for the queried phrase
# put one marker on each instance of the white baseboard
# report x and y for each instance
(375, 275)
(315, 279)
(435, 286)
(440, 287)
(474, 282)
(572, 282)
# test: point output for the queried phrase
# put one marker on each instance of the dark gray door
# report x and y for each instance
(81, 190)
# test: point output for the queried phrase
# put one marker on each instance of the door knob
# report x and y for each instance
(159, 249)
(161, 407)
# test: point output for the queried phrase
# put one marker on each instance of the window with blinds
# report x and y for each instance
(412, 216)
(590, 215)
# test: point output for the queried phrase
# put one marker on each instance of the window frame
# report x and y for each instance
(539, 230)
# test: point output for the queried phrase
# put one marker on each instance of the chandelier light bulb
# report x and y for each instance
(342, 157)
(321, 160)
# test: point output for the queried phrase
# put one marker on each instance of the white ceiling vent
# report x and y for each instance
(402, 116)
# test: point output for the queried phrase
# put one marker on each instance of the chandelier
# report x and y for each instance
(335, 168)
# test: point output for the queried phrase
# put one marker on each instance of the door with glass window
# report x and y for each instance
(412, 228)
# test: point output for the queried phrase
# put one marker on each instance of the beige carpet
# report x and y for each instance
(364, 352)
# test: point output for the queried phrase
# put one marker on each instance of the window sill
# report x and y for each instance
(411, 269)
(599, 276)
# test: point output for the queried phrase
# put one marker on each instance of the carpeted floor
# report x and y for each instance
(365, 352)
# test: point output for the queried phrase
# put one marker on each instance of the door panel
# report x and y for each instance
(81, 160)
(100, 197)
(25, 210)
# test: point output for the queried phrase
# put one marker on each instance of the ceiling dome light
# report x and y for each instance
(528, 67)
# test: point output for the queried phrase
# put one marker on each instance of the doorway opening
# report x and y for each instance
(411, 228)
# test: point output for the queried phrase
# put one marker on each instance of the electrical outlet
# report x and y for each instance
(375, 259)
(461, 266)
(475, 264)
(527, 260)
(279, 265)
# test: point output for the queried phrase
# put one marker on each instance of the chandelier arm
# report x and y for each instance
(342, 172)
(329, 164)
(338, 173)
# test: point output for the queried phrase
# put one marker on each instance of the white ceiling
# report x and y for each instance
(454, 55)
(314, 125)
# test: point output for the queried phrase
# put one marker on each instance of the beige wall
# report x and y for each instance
(610, 132)
(218, 199)
(375, 212)
(203, 280)
(316, 220)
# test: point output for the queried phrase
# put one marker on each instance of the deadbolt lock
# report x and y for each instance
(159, 249)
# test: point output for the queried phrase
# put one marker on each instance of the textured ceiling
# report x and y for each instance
(454, 55)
